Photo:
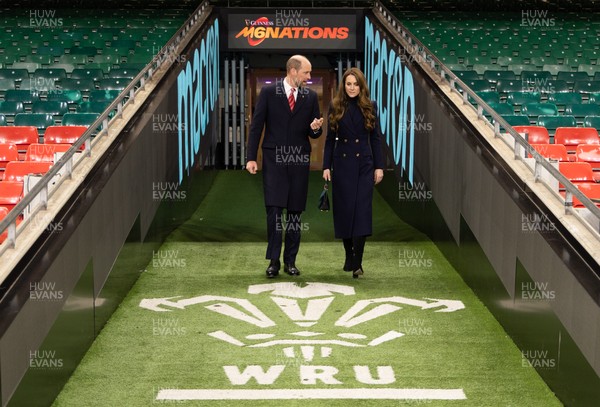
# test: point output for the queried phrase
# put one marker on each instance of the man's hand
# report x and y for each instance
(378, 176)
(327, 175)
(251, 166)
(316, 124)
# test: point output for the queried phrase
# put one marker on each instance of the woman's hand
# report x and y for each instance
(327, 175)
(378, 176)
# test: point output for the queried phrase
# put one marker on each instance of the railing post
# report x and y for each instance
(44, 196)
(11, 238)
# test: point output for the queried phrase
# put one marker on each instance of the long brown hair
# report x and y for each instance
(340, 101)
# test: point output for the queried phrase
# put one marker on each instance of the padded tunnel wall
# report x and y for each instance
(72, 279)
(522, 263)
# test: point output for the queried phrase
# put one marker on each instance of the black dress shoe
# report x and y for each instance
(358, 272)
(348, 264)
(291, 269)
(273, 269)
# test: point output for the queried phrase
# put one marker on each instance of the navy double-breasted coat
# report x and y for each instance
(352, 153)
(286, 144)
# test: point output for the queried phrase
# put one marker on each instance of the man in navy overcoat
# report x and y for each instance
(290, 116)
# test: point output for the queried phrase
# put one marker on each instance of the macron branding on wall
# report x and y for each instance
(392, 86)
(305, 326)
(288, 29)
(197, 94)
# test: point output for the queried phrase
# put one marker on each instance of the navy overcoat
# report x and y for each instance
(286, 144)
(352, 154)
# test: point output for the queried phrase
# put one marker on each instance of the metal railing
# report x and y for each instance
(37, 198)
(520, 145)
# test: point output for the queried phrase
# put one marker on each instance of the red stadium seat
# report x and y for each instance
(63, 134)
(535, 134)
(3, 212)
(553, 151)
(17, 170)
(11, 193)
(45, 152)
(8, 152)
(592, 191)
(576, 172)
(571, 137)
(589, 153)
(22, 136)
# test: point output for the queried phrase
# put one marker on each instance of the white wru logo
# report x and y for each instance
(304, 307)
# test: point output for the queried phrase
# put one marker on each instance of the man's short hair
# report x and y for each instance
(294, 62)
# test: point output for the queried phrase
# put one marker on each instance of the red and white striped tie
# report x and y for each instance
(291, 99)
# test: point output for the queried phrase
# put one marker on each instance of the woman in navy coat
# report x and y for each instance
(353, 161)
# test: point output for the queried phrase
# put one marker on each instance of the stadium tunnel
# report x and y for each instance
(182, 118)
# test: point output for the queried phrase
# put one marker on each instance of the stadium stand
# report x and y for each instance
(55, 82)
(552, 80)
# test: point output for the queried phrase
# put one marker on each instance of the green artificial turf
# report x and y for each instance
(220, 252)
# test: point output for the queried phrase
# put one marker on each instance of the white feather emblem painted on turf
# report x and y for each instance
(287, 297)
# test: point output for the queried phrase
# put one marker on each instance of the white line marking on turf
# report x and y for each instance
(293, 394)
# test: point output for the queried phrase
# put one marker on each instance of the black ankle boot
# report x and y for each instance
(359, 247)
(348, 263)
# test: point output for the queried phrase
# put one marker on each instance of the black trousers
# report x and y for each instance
(277, 225)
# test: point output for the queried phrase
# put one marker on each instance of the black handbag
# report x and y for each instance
(324, 199)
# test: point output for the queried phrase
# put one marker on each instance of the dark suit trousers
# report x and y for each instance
(277, 225)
